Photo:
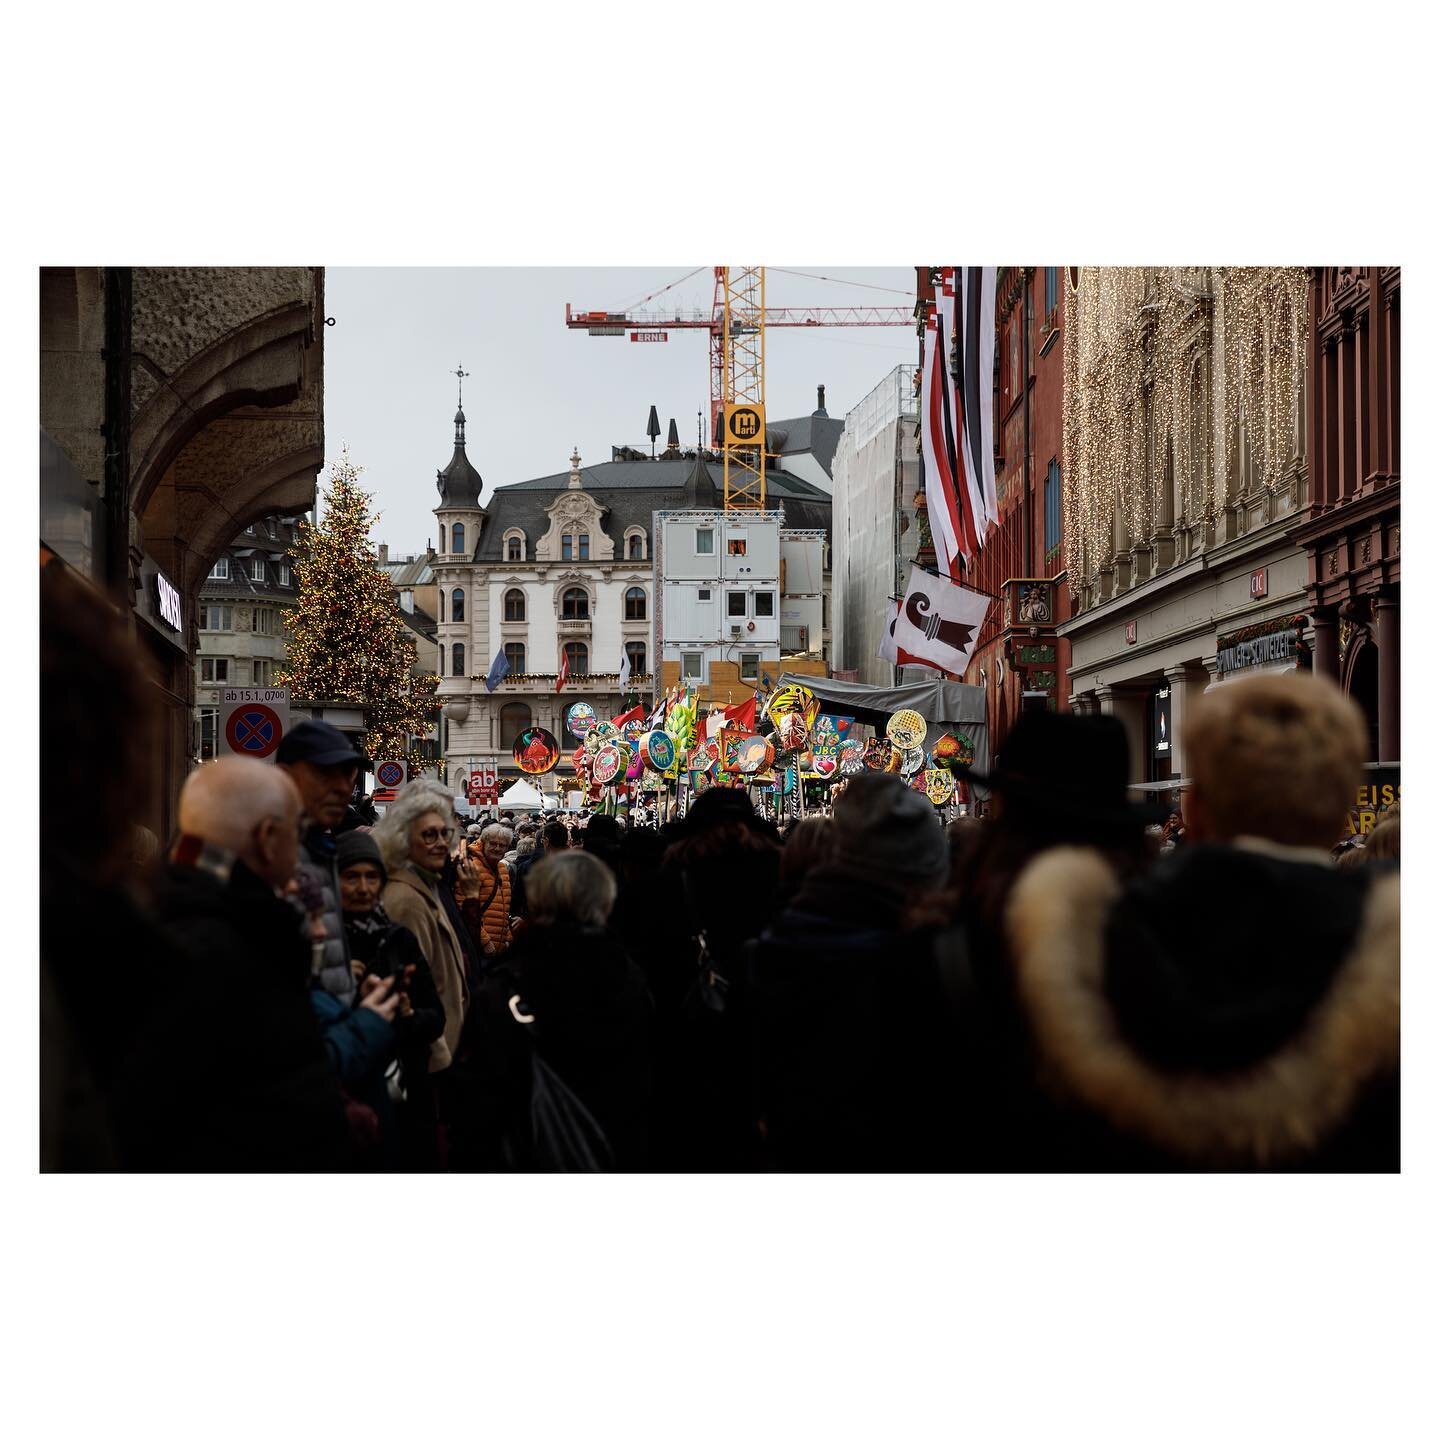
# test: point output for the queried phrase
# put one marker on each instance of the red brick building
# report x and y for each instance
(1351, 528)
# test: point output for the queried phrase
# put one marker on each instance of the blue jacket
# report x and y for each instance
(360, 1044)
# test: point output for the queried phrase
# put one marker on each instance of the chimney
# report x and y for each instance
(820, 410)
(384, 554)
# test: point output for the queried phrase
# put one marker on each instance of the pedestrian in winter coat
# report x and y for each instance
(272, 1098)
(482, 890)
(1238, 1007)
(847, 1017)
(590, 1015)
(414, 842)
(324, 764)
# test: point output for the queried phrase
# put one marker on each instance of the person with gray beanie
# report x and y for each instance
(847, 1035)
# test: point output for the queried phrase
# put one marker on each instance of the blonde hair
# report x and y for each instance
(1276, 756)
(572, 885)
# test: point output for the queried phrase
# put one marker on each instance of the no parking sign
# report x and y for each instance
(253, 722)
(389, 774)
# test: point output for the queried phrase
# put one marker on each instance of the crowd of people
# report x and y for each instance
(292, 983)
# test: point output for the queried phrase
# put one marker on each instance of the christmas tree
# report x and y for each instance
(345, 641)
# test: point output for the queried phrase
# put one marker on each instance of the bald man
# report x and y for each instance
(251, 1045)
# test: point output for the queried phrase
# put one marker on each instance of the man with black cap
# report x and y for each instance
(324, 763)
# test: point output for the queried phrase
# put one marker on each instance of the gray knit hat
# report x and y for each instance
(355, 847)
(888, 830)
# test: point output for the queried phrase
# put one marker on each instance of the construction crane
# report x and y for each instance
(736, 321)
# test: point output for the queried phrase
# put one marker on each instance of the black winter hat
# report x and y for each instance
(889, 831)
(355, 847)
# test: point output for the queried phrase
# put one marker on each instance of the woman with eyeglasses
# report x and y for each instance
(414, 839)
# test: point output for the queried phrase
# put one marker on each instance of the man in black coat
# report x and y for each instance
(271, 1098)
(1237, 1008)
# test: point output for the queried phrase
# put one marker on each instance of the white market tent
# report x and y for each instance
(522, 795)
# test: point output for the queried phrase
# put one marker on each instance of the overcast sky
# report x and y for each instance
(535, 389)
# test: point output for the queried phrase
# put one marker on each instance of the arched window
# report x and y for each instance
(457, 659)
(457, 604)
(514, 718)
(457, 538)
(575, 604)
(635, 653)
(440, 595)
(515, 657)
(577, 657)
(635, 548)
(514, 548)
(634, 603)
(514, 604)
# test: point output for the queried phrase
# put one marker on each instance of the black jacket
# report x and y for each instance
(388, 951)
(271, 1098)
(594, 1024)
(849, 1035)
(1236, 1008)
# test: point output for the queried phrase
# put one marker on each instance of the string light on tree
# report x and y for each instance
(345, 643)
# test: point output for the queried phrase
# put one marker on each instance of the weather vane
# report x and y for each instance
(460, 377)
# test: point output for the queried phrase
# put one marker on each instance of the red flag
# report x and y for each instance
(564, 674)
(742, 716)
(638, 713)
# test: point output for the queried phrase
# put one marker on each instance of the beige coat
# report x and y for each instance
(414, 902)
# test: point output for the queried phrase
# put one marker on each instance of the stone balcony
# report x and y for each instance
(573, 629)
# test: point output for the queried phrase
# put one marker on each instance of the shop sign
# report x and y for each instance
(167, 602)
(1130, 632)
(1262, 650)
(1259, 584)
(1161, 728)
(1380, 791)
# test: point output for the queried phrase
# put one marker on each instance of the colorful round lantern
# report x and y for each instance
(939, 786)
(906, 730)
(952, 751)
(877, 753)
(536, 751)
(753, 754)
(609, 765)
(580, 719)
(657, 750)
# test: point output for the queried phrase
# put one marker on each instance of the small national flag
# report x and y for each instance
(624, 670)
(741, 716)
(564, 674)
(499, 669)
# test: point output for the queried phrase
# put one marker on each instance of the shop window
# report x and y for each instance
(514, 604)
(634, 603)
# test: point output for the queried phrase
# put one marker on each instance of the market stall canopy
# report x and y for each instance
(522, 795)
(943, 704)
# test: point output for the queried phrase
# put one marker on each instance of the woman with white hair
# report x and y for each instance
(414, 840)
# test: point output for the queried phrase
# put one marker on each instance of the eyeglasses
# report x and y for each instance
(432, 835)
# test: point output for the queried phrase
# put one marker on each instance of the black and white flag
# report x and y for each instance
(938, 622)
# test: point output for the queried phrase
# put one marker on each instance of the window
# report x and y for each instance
(262, 621)
(440, 605)
(705, 593)
(1052, 288)
(584, 544)
(577, 658)
(221, 569)
(704, 542)
(1014, 359)
(515, 657)
(457, 538)
(750, 667)
(264, 669)
(514, 717)
(735, 604)
(457, 604)
(216, 617)
(214, 670)
(635, 548)
(1052, 508)
(282, 574)
(634, 603)
(567, 547)
(257, 567)
(690, 663)
(442, 539)
(735, 545)
(765, 603)
(209, 733)
(514, 548)
(440, 660)
(514, 604)
(457, 659)
(575, 604)
(635, 654)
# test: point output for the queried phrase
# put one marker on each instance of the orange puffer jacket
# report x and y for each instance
(488, 918)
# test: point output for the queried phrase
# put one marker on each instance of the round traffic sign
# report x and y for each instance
(254, 730)
(389, 774)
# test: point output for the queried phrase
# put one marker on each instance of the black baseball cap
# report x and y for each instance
(319, 744)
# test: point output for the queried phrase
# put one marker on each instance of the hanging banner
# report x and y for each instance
(938, 622)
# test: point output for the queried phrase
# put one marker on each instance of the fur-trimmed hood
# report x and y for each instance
(1224, 1046)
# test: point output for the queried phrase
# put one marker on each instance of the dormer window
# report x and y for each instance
(635, 545)
(514, 548)
(575, 545)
